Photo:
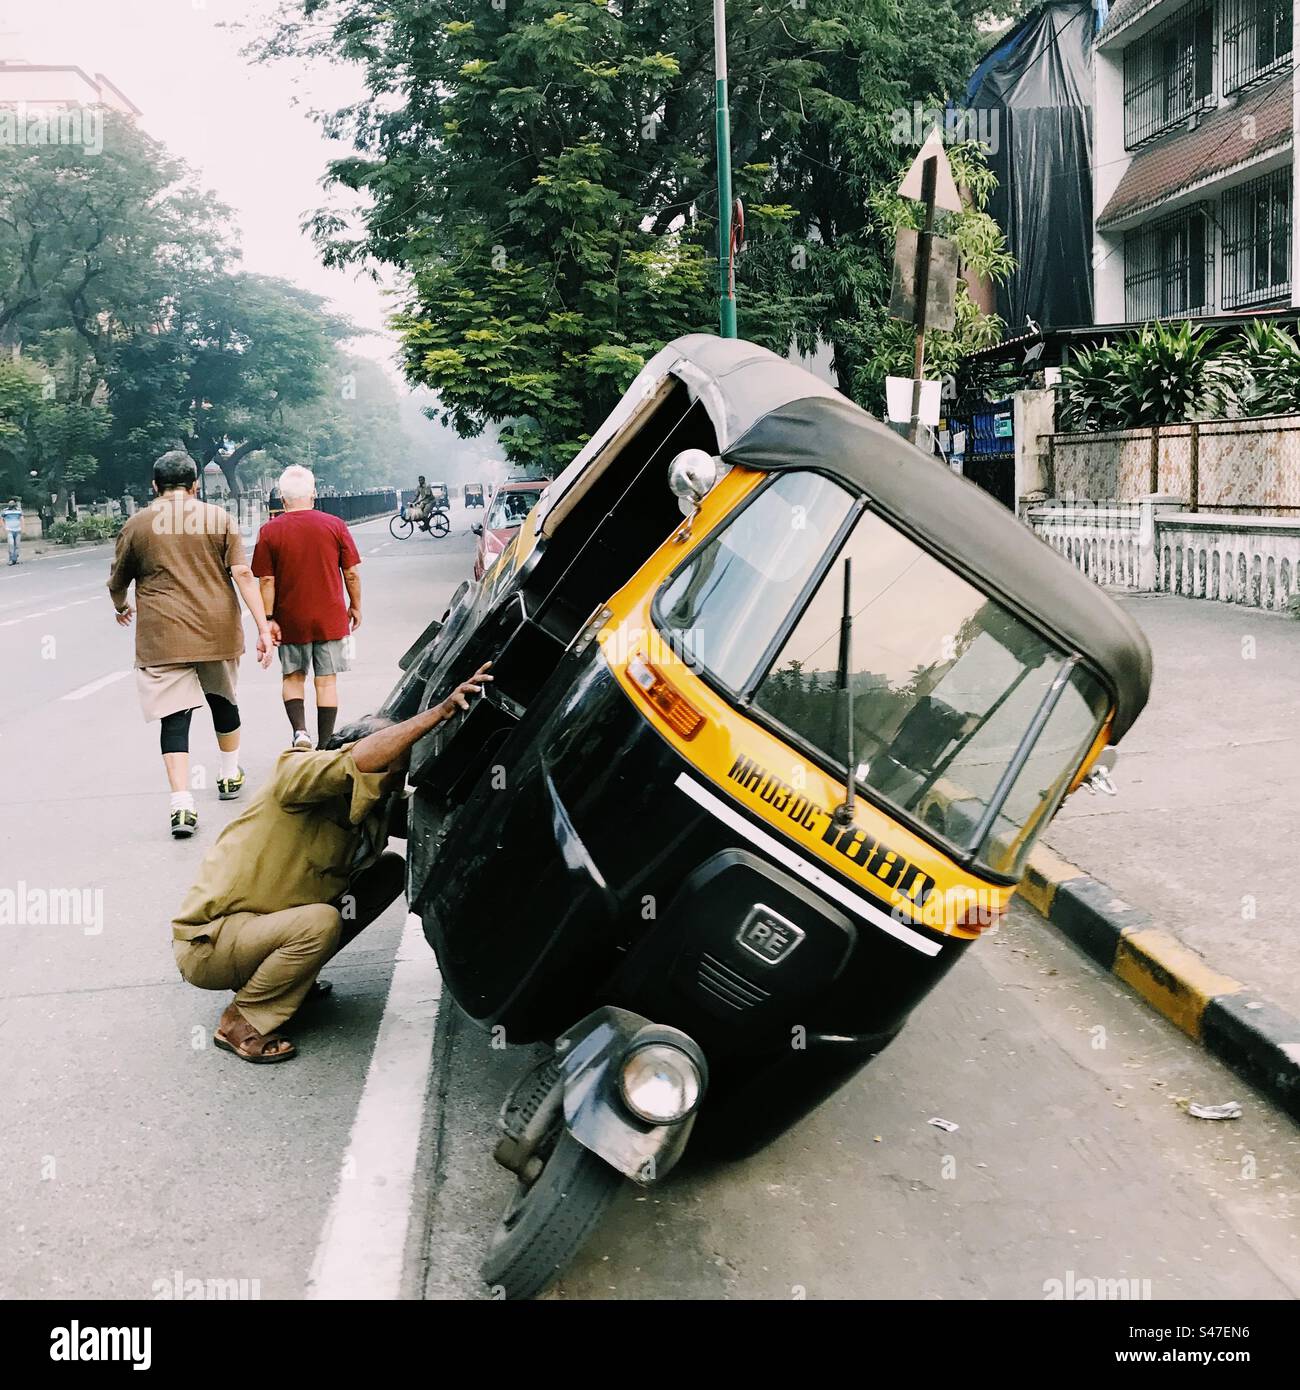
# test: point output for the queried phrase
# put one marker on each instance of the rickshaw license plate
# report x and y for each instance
(768, 935)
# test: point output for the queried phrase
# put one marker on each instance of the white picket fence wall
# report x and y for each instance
(1155, 546)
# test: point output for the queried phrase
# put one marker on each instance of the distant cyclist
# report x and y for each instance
(422, 503)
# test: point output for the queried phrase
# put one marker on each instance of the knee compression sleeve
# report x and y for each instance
(175, 734)
(225, 714)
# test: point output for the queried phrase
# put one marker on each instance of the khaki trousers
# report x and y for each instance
(272, 959)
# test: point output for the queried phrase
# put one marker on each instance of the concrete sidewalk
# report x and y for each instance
(1204, 835)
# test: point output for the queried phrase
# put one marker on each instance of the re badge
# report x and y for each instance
(768, 935)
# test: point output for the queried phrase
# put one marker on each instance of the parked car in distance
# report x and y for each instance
(509, 509)
(473, 494)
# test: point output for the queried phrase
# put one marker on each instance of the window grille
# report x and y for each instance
(1169, 73)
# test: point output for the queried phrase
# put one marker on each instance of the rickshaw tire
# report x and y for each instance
(400, 527)
(560, 1212)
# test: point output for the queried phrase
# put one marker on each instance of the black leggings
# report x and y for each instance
(175, 734)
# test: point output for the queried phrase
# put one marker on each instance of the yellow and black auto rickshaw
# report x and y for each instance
(644, 847)
(473, 495)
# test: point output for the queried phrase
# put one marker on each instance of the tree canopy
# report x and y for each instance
(130, 328)
(542, 173)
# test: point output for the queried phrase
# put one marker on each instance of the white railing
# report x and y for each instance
(1155, 546)
(1099, 538)
(1251, 560)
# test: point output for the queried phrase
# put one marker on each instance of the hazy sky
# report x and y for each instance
(236, 124)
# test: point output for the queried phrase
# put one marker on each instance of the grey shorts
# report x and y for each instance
(323, 658)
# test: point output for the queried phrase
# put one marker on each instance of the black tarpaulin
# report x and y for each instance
(1032, 99)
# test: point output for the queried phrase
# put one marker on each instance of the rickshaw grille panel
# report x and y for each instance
(728, 985)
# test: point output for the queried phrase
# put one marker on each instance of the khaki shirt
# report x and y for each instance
(299, 840)
(179, 552)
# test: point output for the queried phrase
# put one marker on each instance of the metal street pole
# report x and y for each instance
(929, 172)
(726, 289)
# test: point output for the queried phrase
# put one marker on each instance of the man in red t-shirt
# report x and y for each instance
(298, 560)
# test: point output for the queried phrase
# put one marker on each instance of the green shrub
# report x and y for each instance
(1269, 363)
(86, 528)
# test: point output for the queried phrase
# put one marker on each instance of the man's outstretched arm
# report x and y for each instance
(388, 748)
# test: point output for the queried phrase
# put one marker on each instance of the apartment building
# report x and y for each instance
(1194, 182)
(46, 87)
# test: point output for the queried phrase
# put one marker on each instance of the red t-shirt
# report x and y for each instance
(304, 552)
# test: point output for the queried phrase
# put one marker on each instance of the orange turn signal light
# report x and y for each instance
(681, 716)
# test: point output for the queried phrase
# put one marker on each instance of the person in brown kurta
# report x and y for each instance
(186, 558)
(298, 874)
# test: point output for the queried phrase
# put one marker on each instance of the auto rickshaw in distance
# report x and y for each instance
(473, 495)
(780, 707)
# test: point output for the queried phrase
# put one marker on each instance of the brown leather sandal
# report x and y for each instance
(235, 1034)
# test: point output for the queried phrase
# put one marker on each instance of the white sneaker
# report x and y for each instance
(302, 739)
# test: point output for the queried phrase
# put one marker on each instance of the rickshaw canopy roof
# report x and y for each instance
(774, 416)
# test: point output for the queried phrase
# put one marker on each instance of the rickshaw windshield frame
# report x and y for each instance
(968, 849)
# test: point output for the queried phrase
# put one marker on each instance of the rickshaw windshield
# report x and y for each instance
(966, 720)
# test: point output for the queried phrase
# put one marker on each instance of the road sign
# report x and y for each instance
(941, 291)
(945, 189)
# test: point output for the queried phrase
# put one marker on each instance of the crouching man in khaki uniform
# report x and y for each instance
(298, 875)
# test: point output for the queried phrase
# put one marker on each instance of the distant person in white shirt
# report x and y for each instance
(13, 518)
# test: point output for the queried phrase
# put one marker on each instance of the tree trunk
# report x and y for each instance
(229, 465)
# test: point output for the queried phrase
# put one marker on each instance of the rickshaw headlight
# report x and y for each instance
(660, 1084)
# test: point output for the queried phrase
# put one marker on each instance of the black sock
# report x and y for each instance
(325, 717)
(297, 716)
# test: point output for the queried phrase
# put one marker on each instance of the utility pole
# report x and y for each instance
(925, 266)
(929, 174)
(726, 279)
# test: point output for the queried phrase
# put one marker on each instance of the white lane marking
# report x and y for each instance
(82, 691)
(784, 855)
(363, 1240)
(77, 566)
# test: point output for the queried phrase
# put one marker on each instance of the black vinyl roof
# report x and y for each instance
(772, 415)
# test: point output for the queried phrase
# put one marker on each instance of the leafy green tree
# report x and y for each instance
(543, 174)
(255, 349)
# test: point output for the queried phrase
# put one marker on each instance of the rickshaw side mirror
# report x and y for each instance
(691, 474)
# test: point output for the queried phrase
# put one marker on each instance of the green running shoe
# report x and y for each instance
(184, 824)
(228, 788)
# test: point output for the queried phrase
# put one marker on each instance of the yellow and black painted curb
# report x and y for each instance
(1258, 1040)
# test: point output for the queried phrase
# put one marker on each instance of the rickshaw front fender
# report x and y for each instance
(590, 1055)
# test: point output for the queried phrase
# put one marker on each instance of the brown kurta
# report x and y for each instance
(179, 552)
(267, 909)
(297, 841)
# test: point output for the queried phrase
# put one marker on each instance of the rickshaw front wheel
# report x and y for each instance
(549, 1220)
(400, 527)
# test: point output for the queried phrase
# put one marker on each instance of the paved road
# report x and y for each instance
(130, 1156)
(1072, 1155)
(1204, 834)
(131, 1150)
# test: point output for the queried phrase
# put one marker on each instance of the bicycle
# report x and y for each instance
(437, 523)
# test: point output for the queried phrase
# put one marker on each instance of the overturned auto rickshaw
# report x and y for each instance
(780, 707)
